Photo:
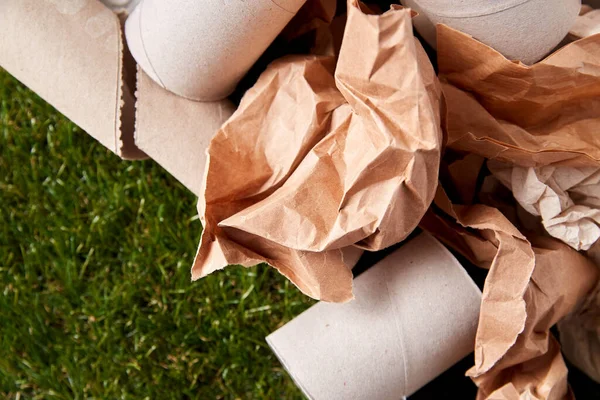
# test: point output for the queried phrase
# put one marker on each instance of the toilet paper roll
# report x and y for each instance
(524, 30)
(415, 315)
(201, 49)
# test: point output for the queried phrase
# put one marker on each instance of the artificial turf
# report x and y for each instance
(96, 299)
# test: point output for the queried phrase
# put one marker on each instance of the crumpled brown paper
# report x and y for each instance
(321, 158)
(236, 177)
(566, 198)
(568, 201)
(534, 367)
(541, 122)
(543, 114)
(530, 287)
(580, 336)
(586, 24)
(312, 16)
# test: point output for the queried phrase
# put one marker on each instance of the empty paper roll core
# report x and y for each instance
(522, 30)
(201, 49)
(414, 316)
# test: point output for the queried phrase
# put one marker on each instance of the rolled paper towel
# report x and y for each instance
(201, 49)
(524, 30)
(415, 315)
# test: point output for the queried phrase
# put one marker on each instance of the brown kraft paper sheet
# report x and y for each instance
(587, 23)
(580, 336)
(543, 114)
(530, 287)
(321, 159)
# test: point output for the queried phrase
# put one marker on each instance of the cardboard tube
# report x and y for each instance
(201, 49)
(415, 315)
(523, 30)
(121, 5)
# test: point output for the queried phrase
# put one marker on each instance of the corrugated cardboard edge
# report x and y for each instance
(30, 28)
(125, 142)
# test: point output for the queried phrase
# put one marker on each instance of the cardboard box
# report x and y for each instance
(175, 131)
(74, 55)
(415, 315)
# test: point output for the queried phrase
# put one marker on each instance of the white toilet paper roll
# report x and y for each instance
(415, 315)
(201, 49)
(524, 30)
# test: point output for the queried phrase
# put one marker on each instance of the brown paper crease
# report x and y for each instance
(580, 336)
(374, 197)
(321, 158)
(531, 285)
(586, 24)
(543, 114)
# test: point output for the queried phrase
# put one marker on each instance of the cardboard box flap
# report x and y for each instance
(71, 54)
(175, 131)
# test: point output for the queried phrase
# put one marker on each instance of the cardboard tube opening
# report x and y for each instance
(415, 315)
(523, 30)
(201, 49)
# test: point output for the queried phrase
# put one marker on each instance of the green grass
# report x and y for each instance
(95, 293)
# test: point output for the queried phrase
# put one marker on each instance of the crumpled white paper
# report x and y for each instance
(566, 198)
